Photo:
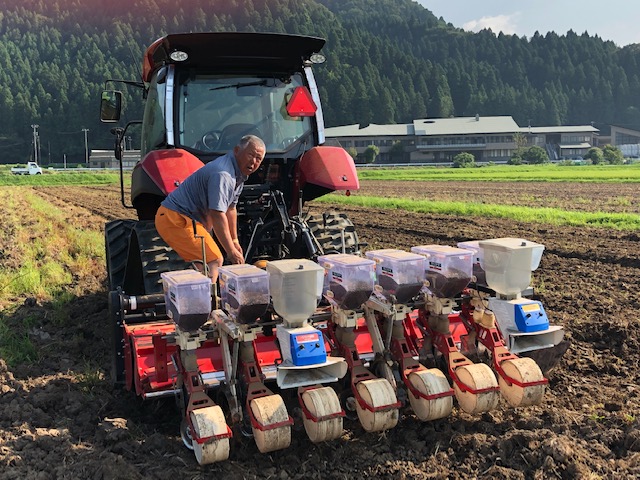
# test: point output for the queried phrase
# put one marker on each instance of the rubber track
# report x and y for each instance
(116, 241)
(155, 255)
(328, 228)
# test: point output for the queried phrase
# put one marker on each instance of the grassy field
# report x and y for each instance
(503, 173)
(493, 173)
(59, 178)
(553, 216)
(509, 173)
(45, 251)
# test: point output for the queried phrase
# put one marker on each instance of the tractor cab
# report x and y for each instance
(202, 93)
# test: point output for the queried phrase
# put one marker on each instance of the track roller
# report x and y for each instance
(480, 382)
(209, 422)
(430, 382)
(322, 402)
(377, 393)
(268, 411)
(523, 371)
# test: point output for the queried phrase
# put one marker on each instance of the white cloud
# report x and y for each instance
(506, 24)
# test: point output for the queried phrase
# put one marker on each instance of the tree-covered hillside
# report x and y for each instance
(387, 61)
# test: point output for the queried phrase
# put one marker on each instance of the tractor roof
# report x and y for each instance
(233, 51)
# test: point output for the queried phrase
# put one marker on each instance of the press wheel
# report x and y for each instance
(320, 402)
(267, 411)
(476, 376)
(207, 422)
(430, 382)
(377, 393)
(523, 370)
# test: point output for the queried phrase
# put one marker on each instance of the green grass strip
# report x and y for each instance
(15, 347)
(509, 173)
(555, 216)
(60, 179)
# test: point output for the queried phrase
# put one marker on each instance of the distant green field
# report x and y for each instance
(543, 173)
(554, 216)
(494, 173)
(59, 178)
(509, 173)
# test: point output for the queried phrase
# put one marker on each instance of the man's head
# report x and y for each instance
(249, 153)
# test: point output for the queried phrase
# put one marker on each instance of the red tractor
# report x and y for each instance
(203, 92)
(307, 325)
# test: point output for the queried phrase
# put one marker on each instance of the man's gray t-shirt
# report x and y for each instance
(216, 186)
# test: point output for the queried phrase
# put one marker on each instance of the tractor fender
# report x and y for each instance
(168, 168)
(328, 167)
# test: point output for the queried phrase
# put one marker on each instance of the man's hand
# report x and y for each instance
(223, 233)
(236, 255)
(237, 251)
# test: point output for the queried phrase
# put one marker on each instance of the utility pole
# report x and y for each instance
(35, 143)
(86, 146)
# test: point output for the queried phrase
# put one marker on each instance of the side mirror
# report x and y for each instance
(110, 106)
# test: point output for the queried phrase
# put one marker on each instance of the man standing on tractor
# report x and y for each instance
(206, 201)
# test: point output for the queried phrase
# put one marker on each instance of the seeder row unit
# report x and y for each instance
(363, 337)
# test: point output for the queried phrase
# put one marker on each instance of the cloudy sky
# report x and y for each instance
(616, 20)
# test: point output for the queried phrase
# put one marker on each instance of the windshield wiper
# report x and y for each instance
(239, 85)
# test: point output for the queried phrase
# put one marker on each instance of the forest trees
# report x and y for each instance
(388, 61)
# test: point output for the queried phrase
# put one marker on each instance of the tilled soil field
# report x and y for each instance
(60, 418)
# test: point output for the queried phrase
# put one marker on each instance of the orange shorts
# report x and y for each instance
(177, 230)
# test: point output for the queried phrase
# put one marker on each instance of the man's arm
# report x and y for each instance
(232, 221)
(225, 235)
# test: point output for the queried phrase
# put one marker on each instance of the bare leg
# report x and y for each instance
(213, 269)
